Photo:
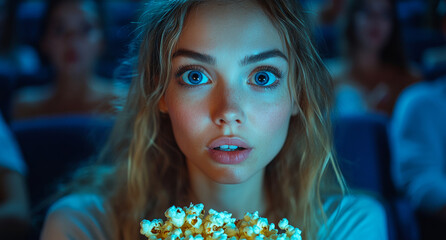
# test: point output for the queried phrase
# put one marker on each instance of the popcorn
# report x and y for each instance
(283, 224)
(151, 228)
(190, 223)
(176, 215)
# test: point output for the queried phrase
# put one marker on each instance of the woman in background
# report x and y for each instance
(72, 41)
(375, 69)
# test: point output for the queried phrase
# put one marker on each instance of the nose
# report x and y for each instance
(228, 107)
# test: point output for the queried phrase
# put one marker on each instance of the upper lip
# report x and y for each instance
(234, 141)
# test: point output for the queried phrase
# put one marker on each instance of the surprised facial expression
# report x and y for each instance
(228, 100)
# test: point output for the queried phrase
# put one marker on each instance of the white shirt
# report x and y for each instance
(418, 138)
(87, 216)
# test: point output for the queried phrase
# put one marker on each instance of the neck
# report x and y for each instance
(366, 59)
(237, 199)
(70, 86)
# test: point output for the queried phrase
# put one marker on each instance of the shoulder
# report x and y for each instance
(80, 216)
(10, 156)
(423, 92)
(109, 87)
(108, 93)
(357, 206)
(78, 202)
(354, 217)
(420, 100)
(29, 101)
(33, 93)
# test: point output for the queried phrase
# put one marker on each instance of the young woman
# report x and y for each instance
(229, 107)
(72, 41)
(375, 69)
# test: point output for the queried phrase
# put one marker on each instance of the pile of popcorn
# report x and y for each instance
(190, 223)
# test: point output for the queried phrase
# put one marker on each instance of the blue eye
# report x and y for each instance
(194, 77)
(264, 78)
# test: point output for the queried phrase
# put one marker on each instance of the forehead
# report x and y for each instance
(231, 25)
(75, 10)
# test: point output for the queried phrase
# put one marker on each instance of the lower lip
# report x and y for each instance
(229, 157)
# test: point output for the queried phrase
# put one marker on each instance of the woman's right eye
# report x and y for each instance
(194, 78)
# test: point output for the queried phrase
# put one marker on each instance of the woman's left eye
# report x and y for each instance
(194, 77)
(264, 79)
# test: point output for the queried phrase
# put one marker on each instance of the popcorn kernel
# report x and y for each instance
(190, 223)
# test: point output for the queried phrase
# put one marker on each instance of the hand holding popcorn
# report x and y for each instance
(190, 223)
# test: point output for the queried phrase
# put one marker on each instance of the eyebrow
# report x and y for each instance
(246, 60)
(262, 56)
(195, 55)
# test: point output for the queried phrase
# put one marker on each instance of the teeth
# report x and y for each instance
(228, 147)
(232, 147)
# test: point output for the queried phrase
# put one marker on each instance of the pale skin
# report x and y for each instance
(227, 45)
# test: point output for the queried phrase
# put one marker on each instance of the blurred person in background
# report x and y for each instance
(418, 137)
(374, 70)
(72, 41)
(15, 219)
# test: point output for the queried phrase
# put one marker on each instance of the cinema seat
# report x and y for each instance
(53, 148)
(362, 146)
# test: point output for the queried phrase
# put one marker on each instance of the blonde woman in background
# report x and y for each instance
(229, 107)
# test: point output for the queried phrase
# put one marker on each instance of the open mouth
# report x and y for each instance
(229, 148)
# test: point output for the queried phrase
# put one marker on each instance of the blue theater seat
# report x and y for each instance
(362, 146)
(53, 148)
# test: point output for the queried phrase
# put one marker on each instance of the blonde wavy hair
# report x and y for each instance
(142, 171)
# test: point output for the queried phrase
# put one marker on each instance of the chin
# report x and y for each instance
(229, 176)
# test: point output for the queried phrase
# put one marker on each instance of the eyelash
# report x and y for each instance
(184, 68)
(274, 71)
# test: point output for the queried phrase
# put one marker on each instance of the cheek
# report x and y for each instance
(271, 119)
(56, 55)
(54, 47)
(89, 48)
(187, 119)
(271, 128)
(93, 41)
(184, 118)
